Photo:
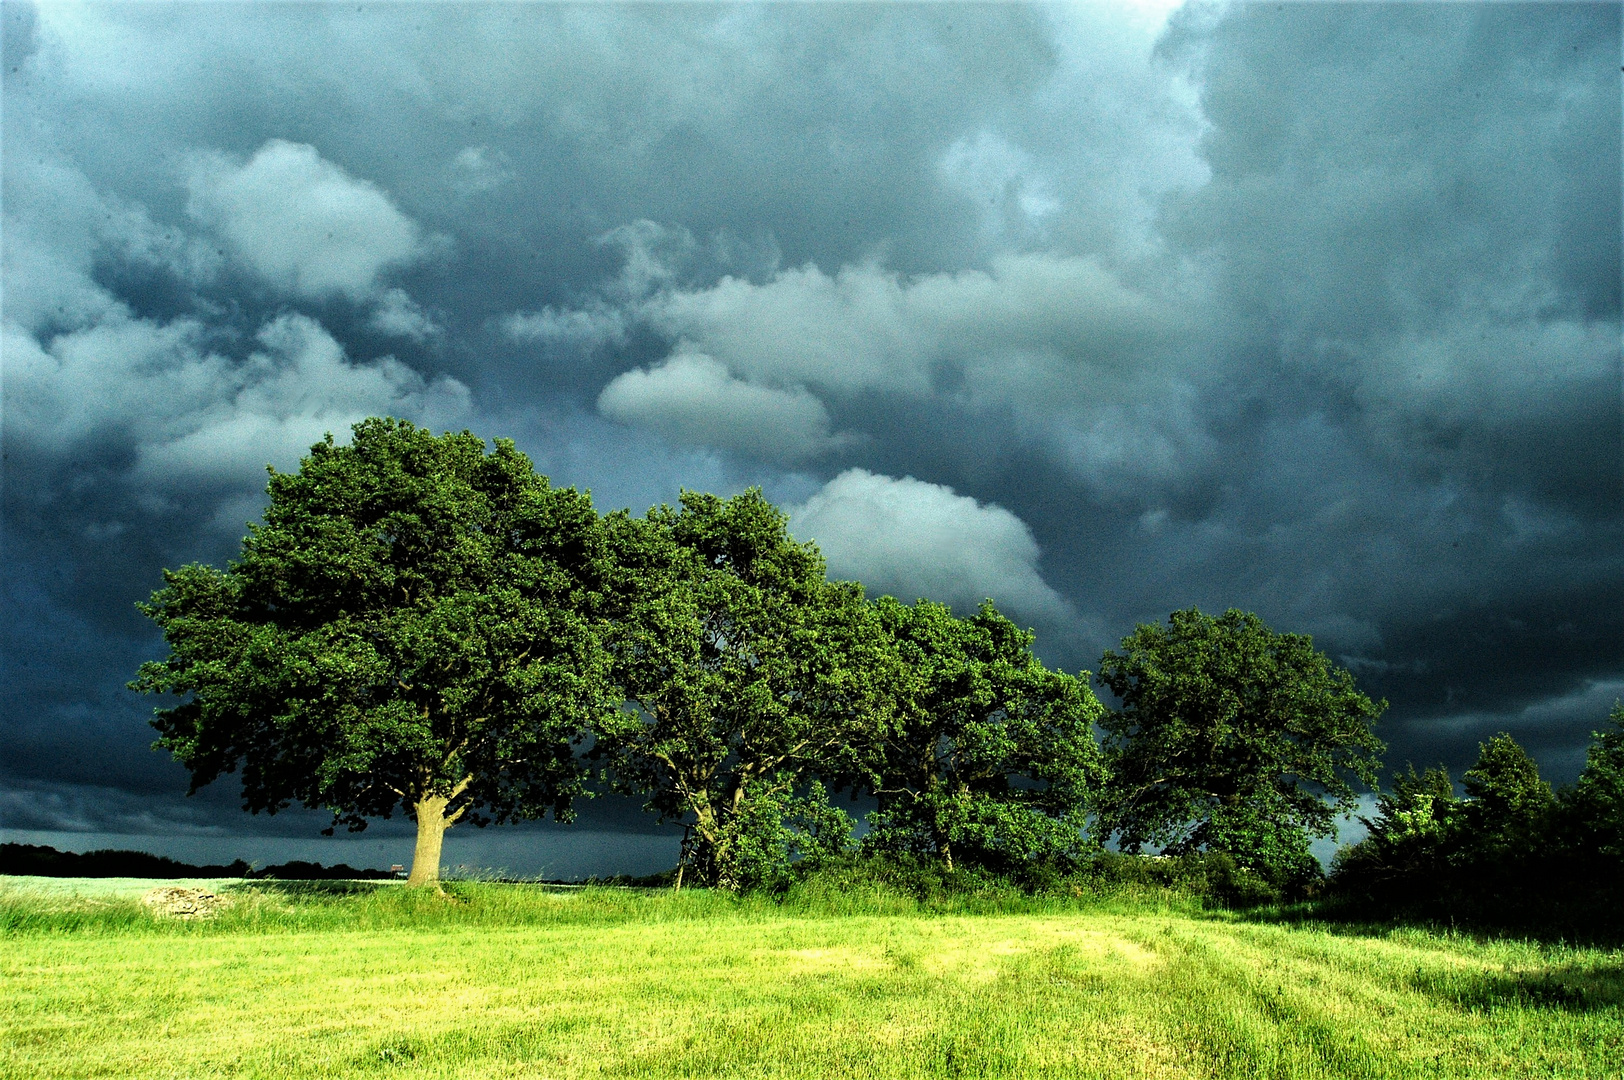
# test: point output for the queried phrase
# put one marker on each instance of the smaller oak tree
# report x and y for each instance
(1233, 738)
(746, 673)
(1415, 821)
(411, 628)
(989, 756)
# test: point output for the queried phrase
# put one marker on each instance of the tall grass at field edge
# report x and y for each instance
(269, 907)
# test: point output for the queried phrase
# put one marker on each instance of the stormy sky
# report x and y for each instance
(1100, 310)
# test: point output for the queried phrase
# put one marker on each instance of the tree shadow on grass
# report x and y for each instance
(1567, 988)
(1590, 923)
(1577, 986)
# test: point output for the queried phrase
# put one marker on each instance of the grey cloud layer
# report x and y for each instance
(1443, 250)
(1313, 310)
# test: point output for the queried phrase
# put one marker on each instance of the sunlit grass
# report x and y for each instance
(509, 981)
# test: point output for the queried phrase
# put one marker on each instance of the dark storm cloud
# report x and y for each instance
(533, 129)
(1414, 213)
(1309, 309)
(1417, 206)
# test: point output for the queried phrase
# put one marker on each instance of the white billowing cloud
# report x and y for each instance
(303, 223)
(193, 416)
(910, 539)
(586, 328)
(398, 315)
(292, 390)
(477, 169)
(692, 399)
(1086, 363)
(1034, 330)
(82, 370)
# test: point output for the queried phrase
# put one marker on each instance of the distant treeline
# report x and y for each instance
(42, 861)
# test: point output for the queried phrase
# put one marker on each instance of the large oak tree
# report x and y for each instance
(412, 628)
(1234, 738)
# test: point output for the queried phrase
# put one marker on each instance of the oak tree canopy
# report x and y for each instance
(988, 756)
(745, 672)
(1232, 738)
(412, 628)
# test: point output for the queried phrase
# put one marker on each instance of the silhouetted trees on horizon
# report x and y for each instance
(1511, 848)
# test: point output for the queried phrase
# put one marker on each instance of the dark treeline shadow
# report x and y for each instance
(41, 861)
(1552, 905)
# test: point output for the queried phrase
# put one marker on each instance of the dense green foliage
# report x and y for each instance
(1510, 806)
(423, 625)
(988, 756)
(411, 628)
(1407, 836)
(1593, 812)
(1232, 738)
(746, 671)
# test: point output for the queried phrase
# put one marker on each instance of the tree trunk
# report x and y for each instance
(706, 842)
(944, 849)
(431, 827)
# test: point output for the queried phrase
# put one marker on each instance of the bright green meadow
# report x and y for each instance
(500, 980)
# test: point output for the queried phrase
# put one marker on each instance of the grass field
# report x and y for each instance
(511, 981)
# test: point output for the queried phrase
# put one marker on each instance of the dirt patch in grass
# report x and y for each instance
(178, 902)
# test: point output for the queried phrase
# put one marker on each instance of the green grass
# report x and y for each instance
(335, 980)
